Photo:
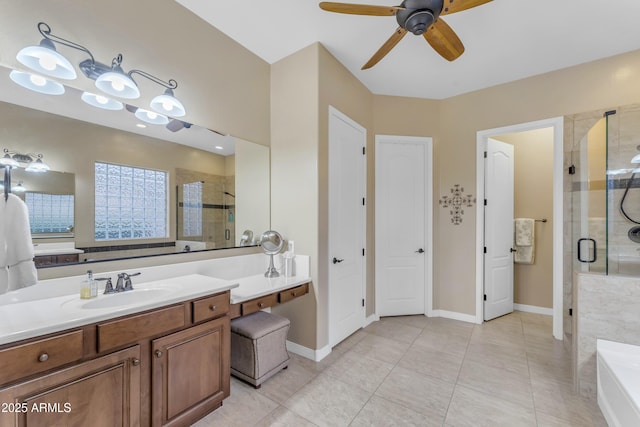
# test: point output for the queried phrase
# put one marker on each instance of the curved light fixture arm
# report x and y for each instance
(171, 84)
(45, 30)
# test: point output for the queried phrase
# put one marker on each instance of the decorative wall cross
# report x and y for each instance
(456, 202)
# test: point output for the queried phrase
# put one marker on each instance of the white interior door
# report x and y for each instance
(498, 237)
(403, 215)
(347, 226)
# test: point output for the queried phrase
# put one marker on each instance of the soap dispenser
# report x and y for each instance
(89, 287)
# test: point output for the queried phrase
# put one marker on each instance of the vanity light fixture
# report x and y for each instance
(101, 101)
(18, 188)
(30, 162)
(44, 59)
(36, 83)
(110, 79)
(151, 117)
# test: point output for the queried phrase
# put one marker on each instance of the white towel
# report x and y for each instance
(4, 272)
(524, 240)
(18, 248)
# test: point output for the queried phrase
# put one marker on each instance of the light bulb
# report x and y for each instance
(37, 80)
(101, 99)
(48, 62)
(117, 85)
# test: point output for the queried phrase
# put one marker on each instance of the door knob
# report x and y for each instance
(420, 251)
(337, 260)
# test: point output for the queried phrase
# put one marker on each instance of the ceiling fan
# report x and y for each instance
(420, 17)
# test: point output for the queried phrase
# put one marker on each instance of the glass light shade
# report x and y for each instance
(118, 84)
(44, 59)
(636, 159)
(36, 83)
(168, 104)
(101, 101)
(151, 117)
(38, 166)
(7, 160)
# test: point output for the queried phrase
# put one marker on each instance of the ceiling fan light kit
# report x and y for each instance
(419, 17)
(112, 80)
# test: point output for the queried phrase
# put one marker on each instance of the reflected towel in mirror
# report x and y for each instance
(17, 269)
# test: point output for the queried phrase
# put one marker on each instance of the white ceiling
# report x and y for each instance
(505, 40)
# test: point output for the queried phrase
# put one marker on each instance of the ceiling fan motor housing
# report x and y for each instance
(418, 15)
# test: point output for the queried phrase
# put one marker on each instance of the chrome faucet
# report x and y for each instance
(108, 288)
(124, 282)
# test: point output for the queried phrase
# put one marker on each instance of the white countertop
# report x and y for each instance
(54, 305)
(256, 286)
(32, 318)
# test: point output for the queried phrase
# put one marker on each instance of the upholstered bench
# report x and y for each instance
(258, 346)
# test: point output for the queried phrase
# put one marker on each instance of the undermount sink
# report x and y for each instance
(125, 298)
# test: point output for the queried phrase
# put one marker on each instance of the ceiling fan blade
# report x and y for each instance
(359, 9)
(385, 48)
(453, 6)
(444, 40)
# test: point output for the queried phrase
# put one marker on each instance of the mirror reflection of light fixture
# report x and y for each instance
(18, 188)
(36, 83)
(101, 101)
(151, 117)
(30, 162)
(111, 79)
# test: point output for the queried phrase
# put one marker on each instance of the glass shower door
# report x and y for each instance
(589, 195)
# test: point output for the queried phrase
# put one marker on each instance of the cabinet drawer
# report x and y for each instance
(289, 294)
(211, 307)
(39, 356)
(134, 328)
(259, 303)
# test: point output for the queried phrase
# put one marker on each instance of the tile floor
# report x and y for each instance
(418, 371)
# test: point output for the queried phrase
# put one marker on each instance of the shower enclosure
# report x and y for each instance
(206, 213)
(604, 175)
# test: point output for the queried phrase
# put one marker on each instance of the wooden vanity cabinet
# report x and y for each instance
(104, 391)
(190, 373)
(166, 366)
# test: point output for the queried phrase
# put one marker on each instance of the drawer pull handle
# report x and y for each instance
(158, 354)
(212, 307)
(260, 304)
(293, 294)
(43, 357)
(135, 362)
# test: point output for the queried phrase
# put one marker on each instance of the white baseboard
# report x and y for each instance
(315, 355)
(533, 309)
(454, 315)
(369, 320)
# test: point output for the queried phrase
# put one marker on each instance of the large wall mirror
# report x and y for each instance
(205, 189)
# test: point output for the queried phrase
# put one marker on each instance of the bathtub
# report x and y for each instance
(618, 376)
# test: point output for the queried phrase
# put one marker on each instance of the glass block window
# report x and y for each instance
(50, 213)
(192, 209)
(131, 203)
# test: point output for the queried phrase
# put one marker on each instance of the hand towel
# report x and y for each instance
(18, 244)
(524, 240)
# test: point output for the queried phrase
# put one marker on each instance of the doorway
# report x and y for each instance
(403, 210)
(557, 218)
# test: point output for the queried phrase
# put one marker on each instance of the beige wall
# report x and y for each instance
(533, 198)
(294, 177)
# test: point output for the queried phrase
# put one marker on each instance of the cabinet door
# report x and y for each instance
(190, 373)
(101, 392)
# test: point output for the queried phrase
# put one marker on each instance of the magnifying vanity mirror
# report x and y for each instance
(205, 188)
(272, 243)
